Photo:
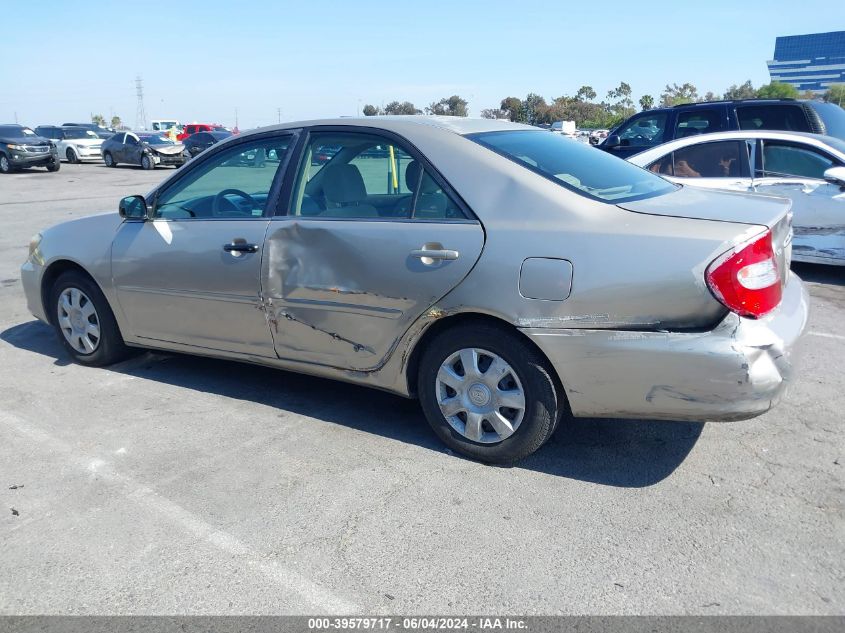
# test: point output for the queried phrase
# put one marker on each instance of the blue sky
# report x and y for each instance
(201, 60)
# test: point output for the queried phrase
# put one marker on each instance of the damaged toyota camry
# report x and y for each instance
(505, 276)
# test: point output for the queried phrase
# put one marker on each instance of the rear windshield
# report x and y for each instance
(833, 117)
(584, 169)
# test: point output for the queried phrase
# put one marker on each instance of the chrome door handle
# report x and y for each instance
(438, 253)
(240, 247)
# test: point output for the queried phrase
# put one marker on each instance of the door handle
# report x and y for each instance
(434, 254)
(238, 246)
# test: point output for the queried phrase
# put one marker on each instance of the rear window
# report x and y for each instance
(833, 118)
(773, 117)
(583, 169)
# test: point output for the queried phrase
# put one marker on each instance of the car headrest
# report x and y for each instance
(343, 184)
(412, 177)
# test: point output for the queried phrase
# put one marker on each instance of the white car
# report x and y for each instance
(809, 169)
(75, 144)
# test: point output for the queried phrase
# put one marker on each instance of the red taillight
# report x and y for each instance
(747, 279)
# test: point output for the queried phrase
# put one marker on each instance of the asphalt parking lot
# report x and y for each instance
(172, 484)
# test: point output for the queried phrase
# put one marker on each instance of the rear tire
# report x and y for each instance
(84, 321)
(506, 374)
(108, 159)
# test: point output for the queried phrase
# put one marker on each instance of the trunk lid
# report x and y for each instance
(728, 206)
(708, 204)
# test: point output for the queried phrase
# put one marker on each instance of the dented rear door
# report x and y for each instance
(341, 292)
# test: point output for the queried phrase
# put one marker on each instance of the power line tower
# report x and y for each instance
(140, 115)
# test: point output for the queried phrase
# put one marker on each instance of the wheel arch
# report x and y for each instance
(53, 271)
(462, 319)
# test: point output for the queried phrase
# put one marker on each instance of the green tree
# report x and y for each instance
(777, 90)
(406, 107)
(585, 93)
(646, 102)
(371, 110)
(513, 106)
(535, 109)
(116, 122)
(836, 94)
(676, 95)
(448, 106)
(98, 120)
(494, 113)
(745, 91)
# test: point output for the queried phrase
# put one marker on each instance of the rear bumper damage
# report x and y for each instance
(738, 370)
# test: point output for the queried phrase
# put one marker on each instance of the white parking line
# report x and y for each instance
(288, 580)
(838, 337)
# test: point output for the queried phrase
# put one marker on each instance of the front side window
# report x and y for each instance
(356, 175)
(233, 184)
(576, 166)
(699, 121)
(131, 140)
(644, 131)
(782, 159)
(721, 159)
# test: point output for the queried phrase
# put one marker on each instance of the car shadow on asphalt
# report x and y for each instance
(620, 453)
(819, 273)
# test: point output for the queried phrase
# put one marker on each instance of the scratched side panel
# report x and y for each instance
(342, 292)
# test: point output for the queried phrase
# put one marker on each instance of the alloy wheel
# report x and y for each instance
(480, 395)
(78, 320)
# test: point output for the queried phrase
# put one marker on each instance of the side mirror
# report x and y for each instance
(133, 208)
(835, 175)
(613, 141)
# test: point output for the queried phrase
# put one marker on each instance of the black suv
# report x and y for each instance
(21, 147)
(654, 127)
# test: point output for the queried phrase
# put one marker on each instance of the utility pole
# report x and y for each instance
(279, 114)
(16, 117)
(140, 115)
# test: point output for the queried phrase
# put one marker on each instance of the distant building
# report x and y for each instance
(809, 62)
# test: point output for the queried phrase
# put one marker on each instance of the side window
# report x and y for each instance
(772, 117)
(156, 126)
(662, 166)
(131, 140)
(699, 121)
(352, 175)
(118, 138)
(721, 159)
(645, 130)
(234, 184)
(782, 159)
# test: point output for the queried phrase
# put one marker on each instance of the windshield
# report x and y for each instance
(576, 166)
(79, 133)
(155, 139)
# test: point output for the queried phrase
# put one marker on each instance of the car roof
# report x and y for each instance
(779, 135)
(416, 124)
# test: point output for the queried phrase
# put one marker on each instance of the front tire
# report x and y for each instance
(71, 156)
(54, 166)
(5, 165)
(108, 159)
(147, 162)
(84, 322)
(487, 394)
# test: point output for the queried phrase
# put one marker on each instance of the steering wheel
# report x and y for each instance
(221, 197)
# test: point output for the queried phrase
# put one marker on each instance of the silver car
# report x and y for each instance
(809, 169)
(505, 276)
